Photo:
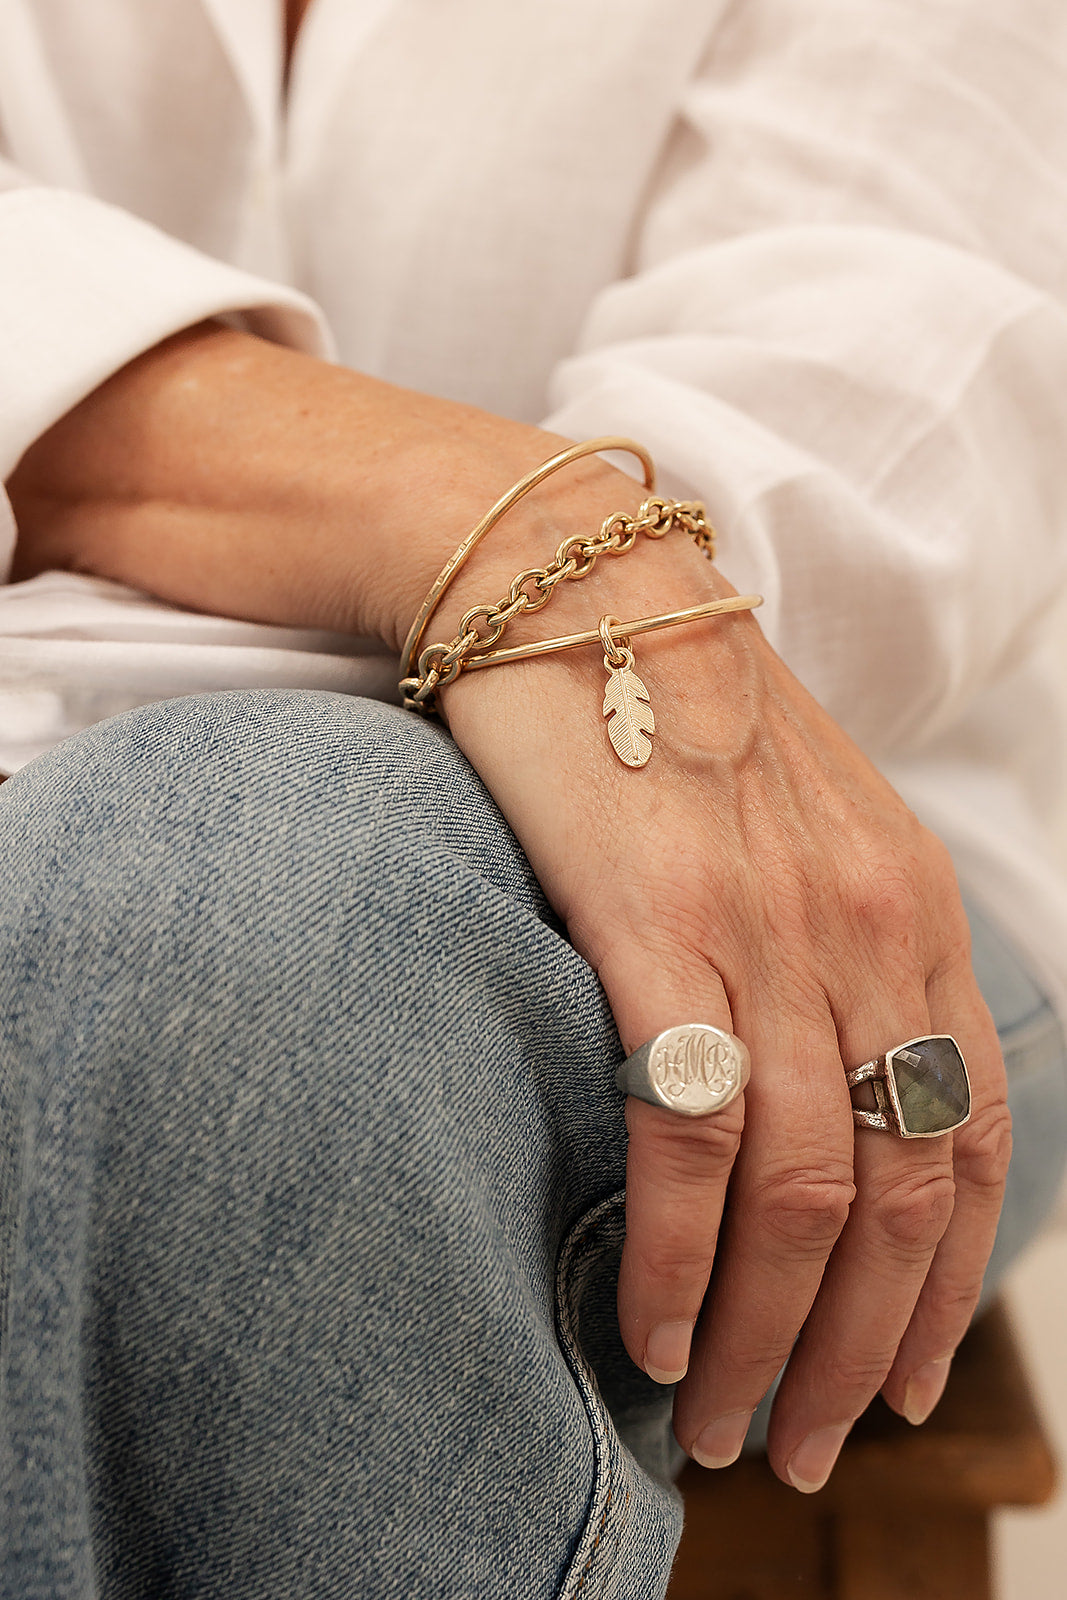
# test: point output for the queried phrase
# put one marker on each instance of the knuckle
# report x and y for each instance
(884, 903)
(983, 1148)
(807, 1210)
(888, 883)
(670, 1271)
(753, 1363)
(888, 899)
(687, 1150)
(950, 1304)
(939, 870)
(914, 1214)
(860, 1374)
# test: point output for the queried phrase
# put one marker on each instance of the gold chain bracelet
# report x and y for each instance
(483, 625)
(410, 653)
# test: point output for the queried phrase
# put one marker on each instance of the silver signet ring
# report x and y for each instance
(693, 1069)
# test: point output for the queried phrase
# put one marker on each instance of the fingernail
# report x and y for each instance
(667, 1352)
(813, 1461)
(719, 1445)
(924, 1389)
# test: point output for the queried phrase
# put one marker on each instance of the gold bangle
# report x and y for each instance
(627, 706)
(456, 561)
(616, 630)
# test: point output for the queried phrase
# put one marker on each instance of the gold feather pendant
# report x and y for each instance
(627, 707)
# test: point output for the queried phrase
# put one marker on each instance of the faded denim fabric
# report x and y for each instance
(310, 1179)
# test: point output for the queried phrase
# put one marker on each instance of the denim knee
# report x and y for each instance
(258, 862)
(295, 786)
(260, 882)
(250, 841)
(312, 1089)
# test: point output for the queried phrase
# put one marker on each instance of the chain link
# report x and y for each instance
(441, 664)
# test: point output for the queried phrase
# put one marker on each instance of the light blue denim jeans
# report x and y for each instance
(311, 1173)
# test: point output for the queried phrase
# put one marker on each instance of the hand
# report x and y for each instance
(759, 875)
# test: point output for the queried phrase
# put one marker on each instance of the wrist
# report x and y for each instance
(570, 505)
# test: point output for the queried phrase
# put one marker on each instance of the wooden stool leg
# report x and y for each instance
(895, 1558)
(751, 1539)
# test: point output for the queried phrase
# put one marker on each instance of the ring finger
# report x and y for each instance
(905, 1195)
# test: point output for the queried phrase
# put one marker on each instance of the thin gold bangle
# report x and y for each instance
(618, 630)
(444, 578)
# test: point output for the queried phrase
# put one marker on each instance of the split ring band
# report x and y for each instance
(921, 1088)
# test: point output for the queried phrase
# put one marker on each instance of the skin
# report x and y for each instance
(759, 874)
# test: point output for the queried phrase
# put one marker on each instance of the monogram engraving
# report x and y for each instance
(696, 1068)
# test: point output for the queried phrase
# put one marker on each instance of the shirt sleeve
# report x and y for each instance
(845, 330)
(86, 287)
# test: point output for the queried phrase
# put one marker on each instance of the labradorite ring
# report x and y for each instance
(921, 1088)
(692, 1069)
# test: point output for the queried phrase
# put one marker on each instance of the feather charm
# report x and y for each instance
(626, 705)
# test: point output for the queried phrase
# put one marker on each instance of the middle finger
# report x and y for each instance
(788, 1202)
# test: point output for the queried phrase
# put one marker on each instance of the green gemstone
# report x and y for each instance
(929, 1085)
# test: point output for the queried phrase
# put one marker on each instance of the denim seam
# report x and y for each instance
(580, 1585)
(576, 1247)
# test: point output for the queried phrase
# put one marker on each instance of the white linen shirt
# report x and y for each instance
(812, 252)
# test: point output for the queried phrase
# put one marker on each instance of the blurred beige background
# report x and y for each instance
(1031, 1546)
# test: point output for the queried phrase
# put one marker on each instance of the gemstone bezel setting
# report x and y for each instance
(903, 1103)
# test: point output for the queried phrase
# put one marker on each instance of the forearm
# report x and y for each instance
(231, 475)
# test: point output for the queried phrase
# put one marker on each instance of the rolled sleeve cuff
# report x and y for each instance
(86, 287)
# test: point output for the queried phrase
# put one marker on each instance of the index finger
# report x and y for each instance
(676, 1180)
(677, 1171)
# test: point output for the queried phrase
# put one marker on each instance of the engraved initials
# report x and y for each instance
(693, 1058)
